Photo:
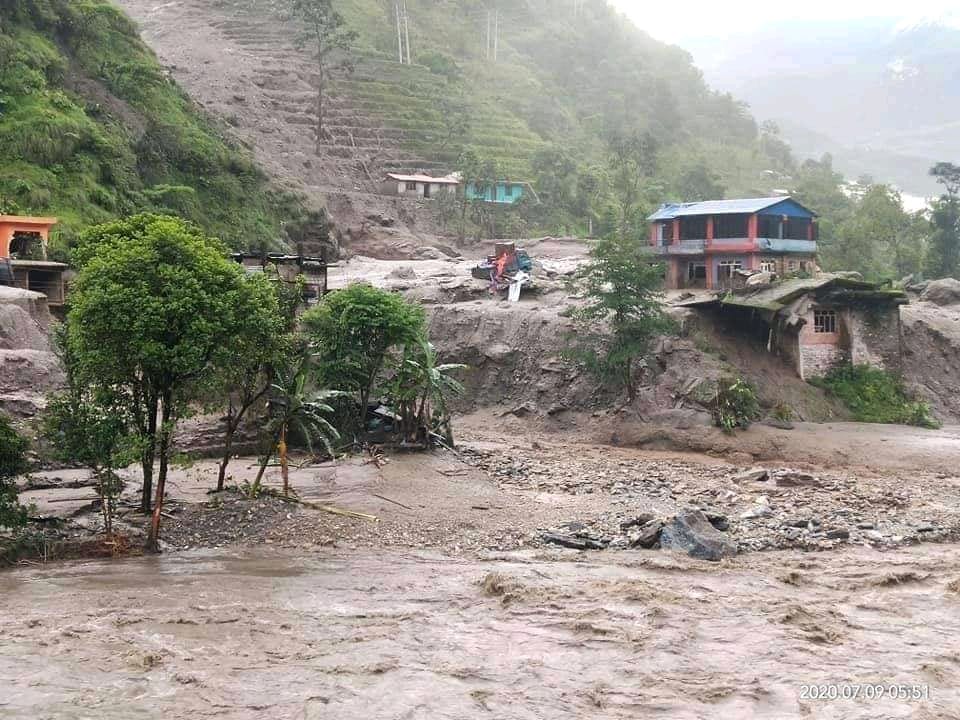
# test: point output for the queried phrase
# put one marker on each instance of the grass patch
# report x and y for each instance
(876, 396)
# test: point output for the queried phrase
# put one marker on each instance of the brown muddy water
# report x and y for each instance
(270, 634)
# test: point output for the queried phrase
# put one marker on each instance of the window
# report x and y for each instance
(727, 268)
(803, 266)
(696, 271)
(796, 228)
(693, 228)
(403, 187)
(769, 266)
(824, 321)
(768, 226)
(663, 234)
(731, 226)
(791, 266)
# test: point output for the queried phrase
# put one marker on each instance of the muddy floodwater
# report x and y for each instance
(356, 634)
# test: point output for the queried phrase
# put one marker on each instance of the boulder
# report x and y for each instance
(795, 478)
(404, 272)
(942, 292)
(692, 533)
(757, 474)
(648, 536)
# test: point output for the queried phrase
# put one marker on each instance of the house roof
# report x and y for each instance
(669, 211)
(26, 220)
(445, 180)
(774, 298)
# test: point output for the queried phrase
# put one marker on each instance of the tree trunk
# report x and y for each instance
(320, 110)
(282, 452)
(147, 454)
(153, 539)
(227, 445)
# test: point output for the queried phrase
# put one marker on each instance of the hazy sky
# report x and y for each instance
(679, 19)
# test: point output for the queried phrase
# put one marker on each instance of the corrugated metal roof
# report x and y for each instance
(669, 211)
(445, 180)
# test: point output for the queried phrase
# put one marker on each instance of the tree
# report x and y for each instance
(421, 388)
(944, 252)
(293, 406)
(633, 157)
(325, 29)
(154, 306)
(623, 313)
(873, 239)
(13, 462)
(352, 331)
(246, 367)
(948, 175)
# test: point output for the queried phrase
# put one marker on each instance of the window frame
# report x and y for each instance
(824, 321)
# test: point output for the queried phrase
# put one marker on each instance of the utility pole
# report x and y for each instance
(396, 7)
(488, 34)
(406, 30)
(496, 32)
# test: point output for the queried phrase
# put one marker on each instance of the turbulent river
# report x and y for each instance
(349, 634)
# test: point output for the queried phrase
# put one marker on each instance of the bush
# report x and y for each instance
(876, 396)
(735, 404)
(13, 461)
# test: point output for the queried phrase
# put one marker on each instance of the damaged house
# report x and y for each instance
(817, 323)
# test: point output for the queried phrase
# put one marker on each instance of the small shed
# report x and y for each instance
(23, 256)
(818, 323)
(502, 192)
(418, 185)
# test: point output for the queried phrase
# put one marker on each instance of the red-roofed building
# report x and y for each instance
(418, 185)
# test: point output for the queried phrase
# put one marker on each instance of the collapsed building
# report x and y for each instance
(817, 323)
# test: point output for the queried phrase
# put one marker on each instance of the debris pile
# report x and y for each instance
(756, 508)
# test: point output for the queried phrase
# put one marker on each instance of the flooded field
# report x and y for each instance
(358, 634)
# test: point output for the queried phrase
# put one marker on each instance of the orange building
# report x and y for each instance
(23, 250)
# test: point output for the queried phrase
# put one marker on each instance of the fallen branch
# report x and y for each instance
(336, 511)
(392, 501)
(73, 499)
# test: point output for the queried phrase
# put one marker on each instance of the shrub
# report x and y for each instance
(876, 396)
(735, 404)
(13, 461)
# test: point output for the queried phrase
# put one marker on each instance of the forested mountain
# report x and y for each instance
(91, 128)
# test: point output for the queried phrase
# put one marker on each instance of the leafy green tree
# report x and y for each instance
(632, 157)
(699, 182)
(295, 407)
(352, 331)
(873, 239)
(623, 312)
(246, 367)
(155, 305)
(13, 462)
(943, 259)
(421, 388)
(88, 425)
(326, 31)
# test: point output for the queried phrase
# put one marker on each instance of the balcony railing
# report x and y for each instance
(785, 245)
(684, 247)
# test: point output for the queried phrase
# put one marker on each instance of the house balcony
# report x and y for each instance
(808, 247)
(737, 245)
(684, 247)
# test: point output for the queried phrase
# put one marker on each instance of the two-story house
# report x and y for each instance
(704, 243)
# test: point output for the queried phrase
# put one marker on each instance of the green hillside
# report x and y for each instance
(544, 111)
(91, 128)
